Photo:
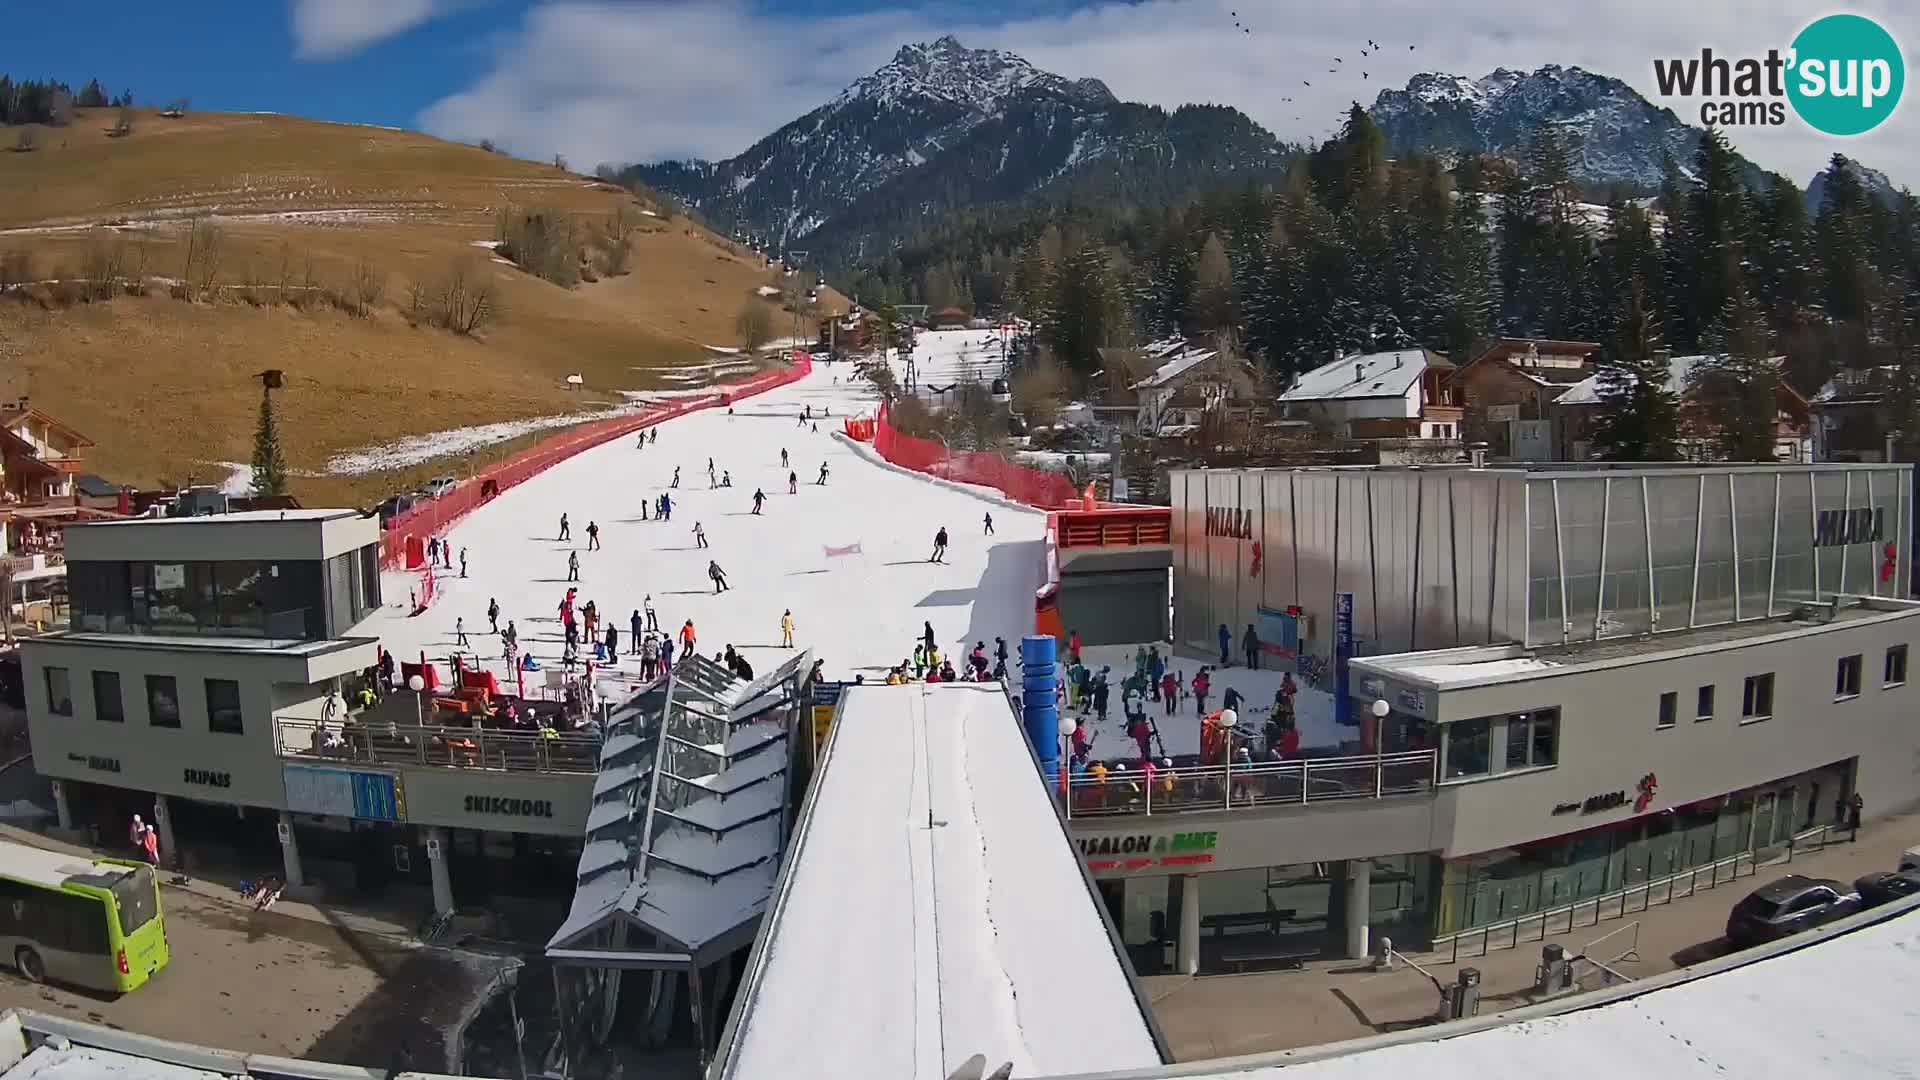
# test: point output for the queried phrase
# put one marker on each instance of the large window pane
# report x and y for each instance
(107, 703)
(163, 701)
(242, 592)
(59, 692)
(1546, 737)
(223, 707)
(1468, 747)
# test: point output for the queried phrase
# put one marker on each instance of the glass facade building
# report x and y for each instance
(1452, 555)
(283, 600)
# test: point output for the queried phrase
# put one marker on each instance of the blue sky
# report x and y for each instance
(636, 80)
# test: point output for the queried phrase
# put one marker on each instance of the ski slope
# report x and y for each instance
(930, 832)
(859, 611)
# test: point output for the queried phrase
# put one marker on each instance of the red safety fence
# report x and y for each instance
(1021, 483)
(403, 544)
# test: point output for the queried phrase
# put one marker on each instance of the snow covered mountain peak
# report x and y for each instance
(978, 79)
(1616, 136)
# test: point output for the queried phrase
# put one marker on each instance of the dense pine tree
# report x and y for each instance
(1734, 388)
(1641, 415)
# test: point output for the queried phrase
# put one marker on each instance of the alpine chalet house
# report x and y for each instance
(1578, 408)
(1848, 420)
(1397, 400)
(1510, 388)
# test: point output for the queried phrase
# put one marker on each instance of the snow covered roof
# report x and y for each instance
(1588, 391)
(1178, 362)
(688, 819)
(1730, 1012)
(1365, 375)
(934, 909)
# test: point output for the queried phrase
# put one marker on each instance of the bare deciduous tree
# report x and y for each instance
(465, 300)
(369, 285)
(103, 263)
(206, 244)
(755, 326)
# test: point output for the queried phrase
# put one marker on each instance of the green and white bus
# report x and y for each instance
(85, 922)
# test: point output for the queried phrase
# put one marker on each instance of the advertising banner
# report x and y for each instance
(1342, 653)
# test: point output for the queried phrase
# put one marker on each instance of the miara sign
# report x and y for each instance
(1230, 522)
(1839, 528)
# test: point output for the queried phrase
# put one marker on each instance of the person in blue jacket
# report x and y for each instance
(1226, 646)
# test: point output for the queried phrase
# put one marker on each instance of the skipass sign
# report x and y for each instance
(1842, 75)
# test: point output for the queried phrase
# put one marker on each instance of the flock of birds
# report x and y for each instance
(1373, 49)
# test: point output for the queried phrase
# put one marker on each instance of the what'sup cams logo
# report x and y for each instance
(1842, 75)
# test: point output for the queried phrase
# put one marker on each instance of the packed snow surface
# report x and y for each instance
(1775, 1018)
(860, 612)
(935, 911)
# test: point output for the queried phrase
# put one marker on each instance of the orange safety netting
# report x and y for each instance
(403, 543)
(1021, 483)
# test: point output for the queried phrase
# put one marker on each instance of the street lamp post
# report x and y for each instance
(1229, 719)
(419, 685)
(1380, 711)
(1067, 727)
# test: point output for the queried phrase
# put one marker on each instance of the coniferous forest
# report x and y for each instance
(1360, 250)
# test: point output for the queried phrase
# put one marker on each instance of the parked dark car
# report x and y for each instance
(1788, 906)
(1883, 885)
(393, 506)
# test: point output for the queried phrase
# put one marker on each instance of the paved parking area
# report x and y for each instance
(299, 980)
(1220, 1015)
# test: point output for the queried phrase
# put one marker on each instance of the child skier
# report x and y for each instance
(699, 536)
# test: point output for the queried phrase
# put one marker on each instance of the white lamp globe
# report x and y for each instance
(1068, 726)
(1381, 708)
(416, 684)
(1229, 718)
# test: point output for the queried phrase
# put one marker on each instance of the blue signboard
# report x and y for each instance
(369, 796)
(1342, 652)
(1279, 633)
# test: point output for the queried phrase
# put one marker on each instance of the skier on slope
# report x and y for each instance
(786, 628)
(676, 477)
(759, 499)
(646, 605)
(699, 536)
(573, 565)
(823, 475)
(726, 479)
(656, 435)
(493, 613)
(793, 483)
(718, 575)
(666, 506)
(783, 457)
(566, 531)
(939, 546)
(593, 536)
(989, 523)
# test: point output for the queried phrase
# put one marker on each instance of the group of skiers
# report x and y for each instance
(929, 664)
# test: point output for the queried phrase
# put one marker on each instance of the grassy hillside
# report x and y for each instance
(302, 208)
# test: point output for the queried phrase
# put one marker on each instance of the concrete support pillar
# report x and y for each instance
(1359, 906)
(62, 809)
(1187, 946)
(163, 821)
(290, 853)
(437, 865)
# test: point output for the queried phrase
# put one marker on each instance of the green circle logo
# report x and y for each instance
(1847, 74)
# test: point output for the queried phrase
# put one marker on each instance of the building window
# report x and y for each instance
(163, 701)
(223, 707)
(1757, 702)
(1703, 704)
(1533, 739)
(1469, 745)
(1669, 710)
(107, 704)
(1846, 677)
(59, 692)
(1895, 669)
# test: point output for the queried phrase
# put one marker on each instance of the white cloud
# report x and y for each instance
(619, 82)
(330, 29)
